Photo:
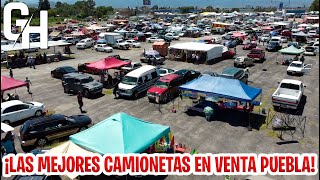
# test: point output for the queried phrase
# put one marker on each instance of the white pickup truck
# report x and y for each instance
(288, 94)
(298, 67)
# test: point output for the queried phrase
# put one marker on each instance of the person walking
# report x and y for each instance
(8, 143)
(197, 59)
(28, 85)
(33, 62)
(80, 101)
(10, 73)
(193, 57)
(302, 58)
(115, 89)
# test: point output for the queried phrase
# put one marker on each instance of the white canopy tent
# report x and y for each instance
(18, 46)
(213, 50)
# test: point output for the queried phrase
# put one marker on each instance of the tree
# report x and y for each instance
(155, 7)
(44, 5)
(235, 9)
(314, 6)
(209, 9)
(58, 4)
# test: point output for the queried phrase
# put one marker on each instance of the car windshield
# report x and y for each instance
(162, 71)
(309, 49)
(70, 69)
(157, 55)
(290, 86)
(274, 43)
(129, 80)
(181, 72)
(70, 119)
(296, 65)
(87, 80)
(239, 59)
(161, 84)
(82, 41)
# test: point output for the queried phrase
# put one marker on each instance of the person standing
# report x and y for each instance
(28, 85)
(193, 57)
(8, 143)
(80, 101)
(10, 73)
(115, 89)
(33, 62)
(197, 59)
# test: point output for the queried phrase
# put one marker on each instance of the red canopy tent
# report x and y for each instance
(267, 28)
(107, 63)
(239, 35)
(10, 83)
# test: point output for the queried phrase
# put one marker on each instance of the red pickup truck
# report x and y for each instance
(166, 88)
(257, 54)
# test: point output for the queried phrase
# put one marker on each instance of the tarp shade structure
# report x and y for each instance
(108, 63)
(291, 50)
(221, 87)
(10, 83)
(120, 133)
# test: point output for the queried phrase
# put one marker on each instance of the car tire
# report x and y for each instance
(41, 142)
(135, 95)
(66, 90)
(6, 122)
(82, 128)
(38, 113)
(86, 93)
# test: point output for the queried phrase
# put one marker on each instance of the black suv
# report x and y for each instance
(39, 131)
(80, 82)
(188, 75)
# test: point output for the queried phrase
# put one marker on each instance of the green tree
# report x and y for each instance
(314, 6)
(235, 9)
(58, 4)
(186, 9)
(155, 7)
(44, 5)
(209, 9)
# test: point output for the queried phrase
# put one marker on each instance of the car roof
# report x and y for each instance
(230, 71)
(291, 81)
(7, 104)
(297, 62)
(76, 75)
(40, 120)
(63, 67)
(169, 77)
(140, 70)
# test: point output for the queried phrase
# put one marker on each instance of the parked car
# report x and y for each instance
(295, 44)
(264, 38)
(273, 46)
(166, 88)
(227, 36)
(288, 94)
(60, 71)
(80, 82)
(230, 44)
(138, 81)
(153, 39)
(121, 44)
(85, 43)
(235, 73)
(72, 40)
(15, 110)
(210, 73)
(133, 43)
(187, 75)
(284, 39)
(103, 48)
(298, 67)
(39, 131)
(130, 67)
(310, 51)
(166, 71)
(243, 61)
(249, 45)
(151, 55)
(83, 69)
(257, 54)
(171, 36)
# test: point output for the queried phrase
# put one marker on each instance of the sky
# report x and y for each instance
(199, 3)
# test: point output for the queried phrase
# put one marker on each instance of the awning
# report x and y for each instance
(18, 46)
(107, 63)
(194, 46)
(11, 83)
(210, 86)
(291, 50)
(120, 133)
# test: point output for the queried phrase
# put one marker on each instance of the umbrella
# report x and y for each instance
(6, 128)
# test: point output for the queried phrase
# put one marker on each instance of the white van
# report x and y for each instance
(138, 81)
(276, 39)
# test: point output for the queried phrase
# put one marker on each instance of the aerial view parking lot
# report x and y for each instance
(228, 80)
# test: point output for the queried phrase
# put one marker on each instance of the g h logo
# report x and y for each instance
(26, 29)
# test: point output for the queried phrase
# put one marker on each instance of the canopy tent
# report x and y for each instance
(10, 83)
(18, 46)
(221, 87)
(239, 35)
(315, 26)
(304, 25)
(300, 34)
(267, 28)
(274, 33)
(71, 149)
(120, 133)
(291, 50)
(96, 27)
(107, 63)
(6, 128)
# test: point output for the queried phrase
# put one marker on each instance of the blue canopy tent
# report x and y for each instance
(120, 133)
(274, 33)
(221, 87)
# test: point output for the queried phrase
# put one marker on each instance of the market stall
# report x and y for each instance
(9, 84)
(212, 92)
(125, 134)
(161, 47)
(107, 63)
(206, 52)
(291, 51)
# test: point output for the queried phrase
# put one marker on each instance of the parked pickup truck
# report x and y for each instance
(298, 67)
(288, 94)
(121, 44)
(257, 54)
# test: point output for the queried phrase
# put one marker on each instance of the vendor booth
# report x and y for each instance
(206, 52)
(213, 92)
(9, 84)
(161, 47)
(107, 63)
(289, 51)
(120, 133)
